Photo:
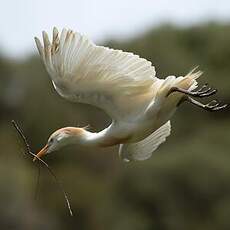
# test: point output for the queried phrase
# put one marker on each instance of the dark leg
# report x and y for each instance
(204, 91)
(211, 106)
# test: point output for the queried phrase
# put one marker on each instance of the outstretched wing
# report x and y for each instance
(118, 82)
(143, 150)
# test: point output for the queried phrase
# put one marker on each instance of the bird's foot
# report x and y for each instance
(204, 91)
(212, 106)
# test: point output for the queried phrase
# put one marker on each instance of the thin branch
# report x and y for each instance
(29, 152)
(22, 136)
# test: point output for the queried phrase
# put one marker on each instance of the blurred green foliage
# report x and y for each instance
(186, 183)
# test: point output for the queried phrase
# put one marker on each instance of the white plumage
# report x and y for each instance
(122, 84)
(143, 149)
(96, 75)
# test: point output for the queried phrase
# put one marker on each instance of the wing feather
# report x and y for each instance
(143, 149)
(118, 82)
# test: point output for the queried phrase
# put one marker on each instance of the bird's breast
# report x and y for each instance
(115, 141)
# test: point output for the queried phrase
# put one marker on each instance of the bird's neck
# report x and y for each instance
(95, 138)
(85, 137)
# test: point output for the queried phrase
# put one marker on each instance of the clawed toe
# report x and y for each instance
(217, 108)
(204, 91)
(212, 106)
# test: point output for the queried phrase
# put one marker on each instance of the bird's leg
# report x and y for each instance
(213, 105)
(204, 91)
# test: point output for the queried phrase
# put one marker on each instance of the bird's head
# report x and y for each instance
(60, 138)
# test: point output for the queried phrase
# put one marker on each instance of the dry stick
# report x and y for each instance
(44, 163)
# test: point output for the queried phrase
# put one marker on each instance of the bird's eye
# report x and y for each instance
(51, 141)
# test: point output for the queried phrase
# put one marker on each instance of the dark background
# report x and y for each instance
(186, 183)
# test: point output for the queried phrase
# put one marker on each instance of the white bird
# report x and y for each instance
(124, 85)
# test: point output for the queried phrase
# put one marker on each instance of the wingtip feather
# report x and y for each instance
(46, 40)
(55, 34)
(39, 45)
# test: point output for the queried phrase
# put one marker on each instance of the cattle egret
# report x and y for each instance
(125, 86)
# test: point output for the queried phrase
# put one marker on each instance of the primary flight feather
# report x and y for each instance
(124, 86)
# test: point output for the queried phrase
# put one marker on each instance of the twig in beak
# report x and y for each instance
(29, 152)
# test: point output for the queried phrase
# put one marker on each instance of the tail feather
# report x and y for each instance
(189, 80)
